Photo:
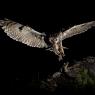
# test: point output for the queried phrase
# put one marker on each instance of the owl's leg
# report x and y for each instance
(60, 57)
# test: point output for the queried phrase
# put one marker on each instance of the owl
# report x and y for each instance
(33, 38)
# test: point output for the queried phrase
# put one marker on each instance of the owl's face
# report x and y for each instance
(56, 38)
(53, 40)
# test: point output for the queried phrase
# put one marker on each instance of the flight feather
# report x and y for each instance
(24, 34)
(77, 29)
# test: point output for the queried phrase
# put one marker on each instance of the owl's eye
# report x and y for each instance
(56, 39)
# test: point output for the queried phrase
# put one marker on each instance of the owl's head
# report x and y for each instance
(55, 38)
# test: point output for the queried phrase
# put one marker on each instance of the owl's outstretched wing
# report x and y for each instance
(24, 34)
(77, 29)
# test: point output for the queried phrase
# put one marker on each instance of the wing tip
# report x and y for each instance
(92, 23)
(3, 21)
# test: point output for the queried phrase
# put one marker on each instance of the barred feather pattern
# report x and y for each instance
(26, 34)
(77, 29)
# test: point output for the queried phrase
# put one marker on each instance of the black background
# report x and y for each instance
(23, 63)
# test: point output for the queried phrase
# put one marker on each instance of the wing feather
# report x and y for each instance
(24, 34)
(77, 29)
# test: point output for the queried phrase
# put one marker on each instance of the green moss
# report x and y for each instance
(84, 78)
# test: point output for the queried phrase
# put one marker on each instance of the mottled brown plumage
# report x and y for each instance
(30, 37)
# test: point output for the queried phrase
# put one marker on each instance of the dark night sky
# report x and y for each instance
(49, 18)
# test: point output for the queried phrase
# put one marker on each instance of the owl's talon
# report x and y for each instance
(49, 49)
(64, 47)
